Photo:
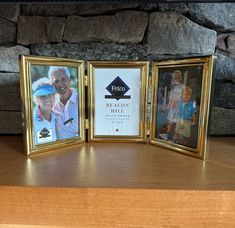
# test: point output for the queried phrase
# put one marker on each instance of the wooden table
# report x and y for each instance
(117, 185)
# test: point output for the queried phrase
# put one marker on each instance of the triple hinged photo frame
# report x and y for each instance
(67, 102)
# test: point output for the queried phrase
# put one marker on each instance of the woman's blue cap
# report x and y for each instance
(44, 89)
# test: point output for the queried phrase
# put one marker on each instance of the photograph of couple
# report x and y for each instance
(55, 103)
(179, 93)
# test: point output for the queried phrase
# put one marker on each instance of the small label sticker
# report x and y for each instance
(44, 136)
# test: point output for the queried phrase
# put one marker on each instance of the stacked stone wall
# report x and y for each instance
(119, 31)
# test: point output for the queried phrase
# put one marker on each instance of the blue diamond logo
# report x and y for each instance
(117, 88)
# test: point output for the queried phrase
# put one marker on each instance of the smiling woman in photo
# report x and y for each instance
(44, 120)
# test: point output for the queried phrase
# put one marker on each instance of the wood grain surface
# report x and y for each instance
(116, 185)
(118, 165)
(116, 207)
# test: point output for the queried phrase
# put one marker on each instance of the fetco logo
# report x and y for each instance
(117, 89)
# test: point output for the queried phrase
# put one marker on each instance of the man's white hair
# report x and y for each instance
(52, 69)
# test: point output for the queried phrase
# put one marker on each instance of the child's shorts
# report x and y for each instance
(183, 130)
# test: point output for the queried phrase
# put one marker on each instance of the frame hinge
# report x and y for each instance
(85, 79)
(148, 126)
(149, 103)
(86, 124)
(150, 81)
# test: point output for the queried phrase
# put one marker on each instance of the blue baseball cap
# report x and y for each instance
(44, 89)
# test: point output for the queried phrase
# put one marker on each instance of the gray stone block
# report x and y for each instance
(148, 6)
(220, 42)
(54, 29)
(231, 42)
(9, 57)
(225, 67)
(162, 57)
(226, 42)
(222, 121)
(7, 31)
(123, 27)
(224, 94)
(176, 7)
(218, 16)
(10, 92)
(10, 11)
(40, 29)
(172, 33)
(10, 122)
(92, 51)
(74, 9)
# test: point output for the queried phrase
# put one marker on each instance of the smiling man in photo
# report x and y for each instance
(66, 110)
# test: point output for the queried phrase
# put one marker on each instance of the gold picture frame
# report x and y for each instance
(117, 101)
(180, 104)
(52, 92)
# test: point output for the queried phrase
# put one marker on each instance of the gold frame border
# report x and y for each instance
(26, 91)
(202, 145)
(144, 67)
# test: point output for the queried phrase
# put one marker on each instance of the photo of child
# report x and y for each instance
(181, 106)
(178, 105)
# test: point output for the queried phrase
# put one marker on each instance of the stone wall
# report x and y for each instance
(118, 31)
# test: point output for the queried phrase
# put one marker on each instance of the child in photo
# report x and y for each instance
(187, 117)
(177, 87)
